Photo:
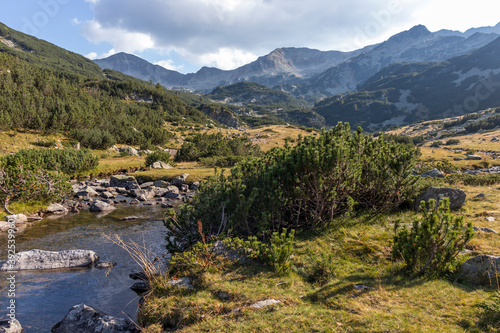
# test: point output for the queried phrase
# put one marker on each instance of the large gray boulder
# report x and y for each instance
(10, 326)
(160, 165)
(130, 151)
(457, 197)
(57, 209)
(38, 259)
(18, 218)
(481, 269)
(85, 319)
(179, 180)
(87, 192)
(128, 182)
(147, 194)
(433, 173)
(101, 206)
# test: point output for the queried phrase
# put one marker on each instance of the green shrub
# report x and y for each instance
(222, 161)
(45, 143)
(305, 186)
(434, 241)
(69, 161)
(437, 144)
(158, 155)
(452, 142)
(93, 138)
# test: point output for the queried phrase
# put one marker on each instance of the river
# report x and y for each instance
(43, 298)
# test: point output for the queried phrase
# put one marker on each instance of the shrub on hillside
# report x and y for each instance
(434, 241)
(210, 145)
(452, 142)
(305, 186)
(94, 138)
(69, 161)
(158, 155)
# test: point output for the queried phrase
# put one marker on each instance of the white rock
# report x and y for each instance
(39, 259)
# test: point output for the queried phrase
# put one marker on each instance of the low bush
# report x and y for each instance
(434, 241)
(69, 161)
(93, 138)
(158, 155)
(305, 186)
(452, 142)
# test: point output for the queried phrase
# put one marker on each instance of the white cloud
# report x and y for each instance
(169, 64)
(76, 21)
(94, 55)
(121, 39)
(224, 58)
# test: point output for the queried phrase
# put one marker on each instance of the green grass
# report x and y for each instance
(360, 249)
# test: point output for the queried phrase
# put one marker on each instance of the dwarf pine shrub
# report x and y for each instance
(305, 186)
(434, 240)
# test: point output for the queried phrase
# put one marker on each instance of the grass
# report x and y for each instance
(390, 302)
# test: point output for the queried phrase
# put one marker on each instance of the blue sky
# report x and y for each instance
(185, 35)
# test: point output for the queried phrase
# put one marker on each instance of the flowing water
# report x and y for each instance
(43, 298)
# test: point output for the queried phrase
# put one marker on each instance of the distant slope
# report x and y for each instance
(42, 53)
(406, 93)
(251, 99)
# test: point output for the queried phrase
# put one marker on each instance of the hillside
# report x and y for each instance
(406, 93)
(44, 54)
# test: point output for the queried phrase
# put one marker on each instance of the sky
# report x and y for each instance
(185, 35)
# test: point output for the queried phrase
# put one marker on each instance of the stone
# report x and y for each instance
(473, 157)
(479, 196)
(57, 209)
(39, 259)
(140, 287)
(4, 225)
(105, 264)
(179, 180)
(10, 326)
(485, 230)
(128, 182)
(135, 202)
(138, 276)
(101, 206)
(185, 282)
(457, 197)
(18, 218)
(263, 304)
(160, 165)
(167, 205)
(490, 219)
(495, 139)
(481, 269)
(107, 195)
(194, 186)
(435, 173)
(148, 194)
(84, 319)
(87, 192)
(130, 151)
(161, 184)
(129, 218)
(146, 185)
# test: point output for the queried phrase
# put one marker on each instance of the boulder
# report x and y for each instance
(489, 219)
(474, 157)
(57, 209)
(485, 230)
(138, 193)
(481, 269)
(105, 264)
(160, 165)
(18, 218)
(194, 186)
(185, 282)
(146, 185)
(87, 192)
(494, 139)
(457, 197)
(84, 319)
(101, 206)
(10, 326)
(130, 151)
(107, 195)
(433, 173)
(129, 218)
(140, 287)
(263, 304)
(179, 180)
(38, 259)
(161, 184)
(128, 182)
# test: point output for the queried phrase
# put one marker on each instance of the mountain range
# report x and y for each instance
(312, 74)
